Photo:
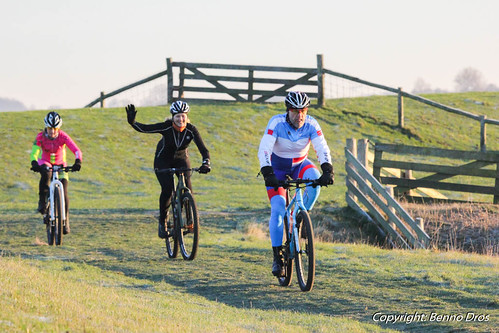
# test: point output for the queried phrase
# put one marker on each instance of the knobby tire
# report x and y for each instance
(305, 258)
(50, 227)
(288, 262)
(58, 215)
(172, 239)
(188, 234)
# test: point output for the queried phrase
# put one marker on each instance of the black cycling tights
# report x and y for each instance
(166, 182)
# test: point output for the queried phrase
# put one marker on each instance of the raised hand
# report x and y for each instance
(130, 113)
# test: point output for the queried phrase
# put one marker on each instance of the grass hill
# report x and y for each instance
(112, 274)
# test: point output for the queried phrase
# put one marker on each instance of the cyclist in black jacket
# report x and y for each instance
(171, 152)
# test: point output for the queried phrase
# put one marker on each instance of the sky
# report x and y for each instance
(63, 53)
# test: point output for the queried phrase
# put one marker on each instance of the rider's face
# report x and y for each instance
(297, 117)
(180, 119)
(52, 132)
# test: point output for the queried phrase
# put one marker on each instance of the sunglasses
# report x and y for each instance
(304, 110)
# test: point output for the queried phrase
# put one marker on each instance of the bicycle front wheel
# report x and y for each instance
(58, 215)
(171, 237)
(305, 256)
(50, 228)
(188, 233)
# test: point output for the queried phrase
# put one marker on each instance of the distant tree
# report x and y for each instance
(421, 87)
(470, 79)
(158, 95)
(491, 87)
(7, 104)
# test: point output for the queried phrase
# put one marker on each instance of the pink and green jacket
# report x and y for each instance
(43, 147)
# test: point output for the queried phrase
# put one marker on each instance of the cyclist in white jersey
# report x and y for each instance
(283, 151)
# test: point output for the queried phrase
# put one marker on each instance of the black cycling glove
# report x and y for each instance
(269, 176)
(77, 165)
(130, 113)
(35, 166)
(205, 167)
(327, 177)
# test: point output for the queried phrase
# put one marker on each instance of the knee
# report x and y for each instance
(311, 173)
(277, 205)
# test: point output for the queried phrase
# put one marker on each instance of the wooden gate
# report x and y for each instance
(242, 83)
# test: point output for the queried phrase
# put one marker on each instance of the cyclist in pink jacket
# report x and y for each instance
(49, 148)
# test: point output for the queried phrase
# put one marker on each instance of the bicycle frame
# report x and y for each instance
(292, 209)
(179, 189)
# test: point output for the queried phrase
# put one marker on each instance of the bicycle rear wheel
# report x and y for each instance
(288, 262)
(188, 233)
(305, 256)
(171, 237)
(58, 215)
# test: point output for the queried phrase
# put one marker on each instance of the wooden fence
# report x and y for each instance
(439, 172)
(386, 212)
(188, 73)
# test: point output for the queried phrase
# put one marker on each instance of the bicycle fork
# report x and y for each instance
(56, 185)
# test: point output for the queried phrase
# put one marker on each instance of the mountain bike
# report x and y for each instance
(184, 221)
(299, 236)
(55, 217)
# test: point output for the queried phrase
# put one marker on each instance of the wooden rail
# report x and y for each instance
(386, 212)
(103, 96)
(439, 172)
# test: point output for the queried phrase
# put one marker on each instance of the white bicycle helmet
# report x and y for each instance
(52, 119)
(297, 100)
(179, 107)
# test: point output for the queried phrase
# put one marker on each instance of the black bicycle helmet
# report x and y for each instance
(179, 107)
(52, 119)
(297, 100)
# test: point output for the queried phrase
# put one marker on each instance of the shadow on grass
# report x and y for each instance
(231, 270)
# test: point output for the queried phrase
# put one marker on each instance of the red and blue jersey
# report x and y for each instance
(283, 146)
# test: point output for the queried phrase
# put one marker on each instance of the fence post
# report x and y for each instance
(320, 81)
(377, 156)
(169, 68)
(407, 174)
(102, 99)
(496, 186)
(363, 153)
(401, 108)
(181, 82)
(250, 85)
(483, 134)
(352, 147)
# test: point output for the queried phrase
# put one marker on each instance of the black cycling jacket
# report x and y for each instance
(173, 145)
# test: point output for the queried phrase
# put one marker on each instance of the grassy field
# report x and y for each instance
(112, 273)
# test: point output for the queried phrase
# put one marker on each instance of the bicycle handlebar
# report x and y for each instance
(297, 182)
(177, 170)
(58, 168)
